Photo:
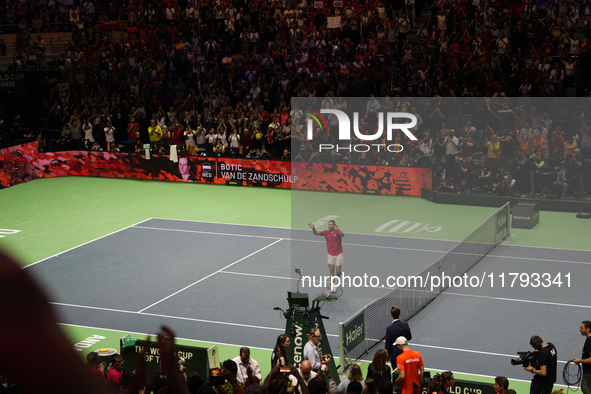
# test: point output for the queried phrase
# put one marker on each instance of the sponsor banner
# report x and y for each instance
(192, 358)
(403, 181)
(354, 332)
(12, 80)
(525, 215)
(19, 80)
(249, 172)
(23, 163)
(188, 169)
(502, 218)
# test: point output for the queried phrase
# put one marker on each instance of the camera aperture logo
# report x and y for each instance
(317, 126)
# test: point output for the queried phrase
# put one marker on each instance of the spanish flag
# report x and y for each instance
(569, 149)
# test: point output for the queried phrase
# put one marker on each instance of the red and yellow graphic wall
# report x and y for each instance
(23, 163)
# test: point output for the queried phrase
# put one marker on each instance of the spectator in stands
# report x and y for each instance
(132, 128)
(306, 371)
(147, 67)
(230, 374)
(578, 162)
(479, 174)
(155, 132)
(355, 375)
(138, 145)
(318, 385)
(110, 135)
(277, 381)
(561, 183)
(501, 385)
(115, 374)
(558, 140)
(244, 363)
(194, 383)
(441, 382)
(451, 149)
(92, 360)
(536, 168)
(539, 144)
(22, 39)
(64, 142)
(378, 370)
(494, 147)
(165, 141)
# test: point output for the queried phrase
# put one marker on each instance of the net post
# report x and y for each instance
(367, 347)
(508, 204)
(342, 349)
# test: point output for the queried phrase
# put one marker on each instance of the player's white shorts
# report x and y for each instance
(336, 260)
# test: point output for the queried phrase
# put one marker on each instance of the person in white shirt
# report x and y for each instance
(109, 132)
(244, 362)
(307, 374)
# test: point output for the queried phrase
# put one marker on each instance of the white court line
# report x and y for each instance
(86, 243)
(547, 247)
(173, 317)
(202, 279)
(361, 245)
(308, 230)
(257, 275)
(539, 259)
(519, 300)
(208, 232)
(153, 335)
(297, 240)
(370, 235)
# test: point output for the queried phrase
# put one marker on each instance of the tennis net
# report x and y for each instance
(366, 328)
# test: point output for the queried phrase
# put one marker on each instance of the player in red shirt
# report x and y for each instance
(334, 245)
(410, 365)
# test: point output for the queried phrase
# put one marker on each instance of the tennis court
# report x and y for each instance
(229, 297)
(218, 282)
(225, 285)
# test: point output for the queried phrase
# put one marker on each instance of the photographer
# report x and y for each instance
(543, 366)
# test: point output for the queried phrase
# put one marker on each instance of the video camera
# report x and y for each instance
(525, 359)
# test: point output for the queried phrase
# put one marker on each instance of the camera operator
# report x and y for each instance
(543, 367)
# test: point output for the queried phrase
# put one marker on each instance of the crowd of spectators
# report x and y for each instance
(242, 61)
(219, 75)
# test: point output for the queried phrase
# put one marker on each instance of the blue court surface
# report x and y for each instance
(219, 283)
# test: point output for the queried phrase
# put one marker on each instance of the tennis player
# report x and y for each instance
(334, 246)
